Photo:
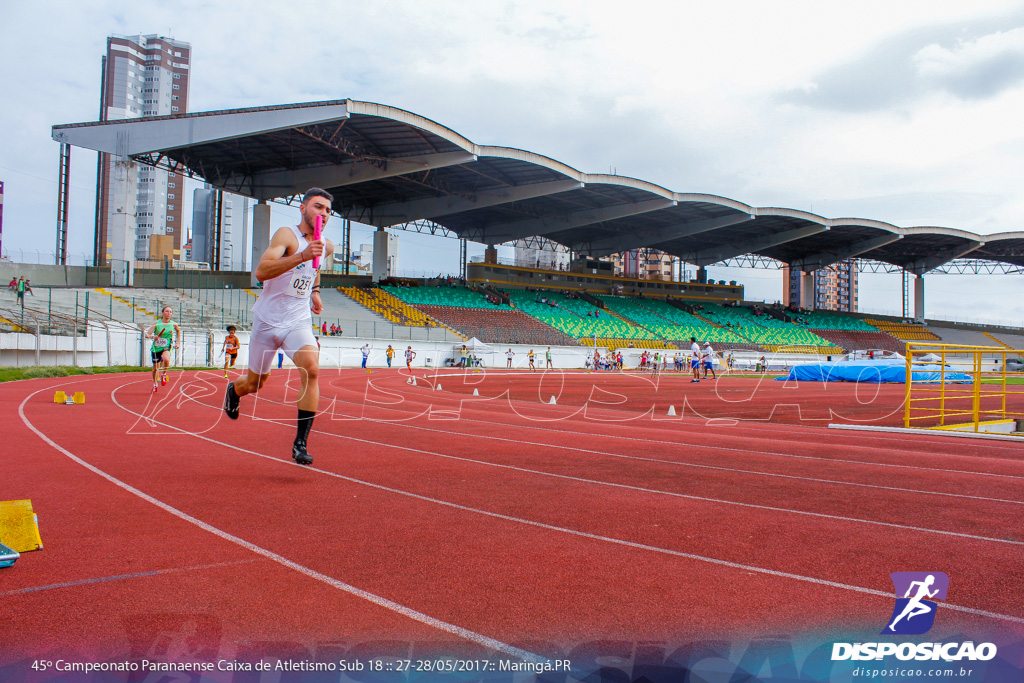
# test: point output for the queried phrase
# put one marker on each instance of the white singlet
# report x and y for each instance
(284, 301)
(281, 316)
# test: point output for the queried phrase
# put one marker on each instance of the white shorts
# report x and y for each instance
(266, 340)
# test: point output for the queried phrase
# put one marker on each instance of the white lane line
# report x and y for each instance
(630, 487)
(121, 577)
(757, 430)
(469, 401)
(398, 608)
(702, 466)
(573, 532)
(677, 463)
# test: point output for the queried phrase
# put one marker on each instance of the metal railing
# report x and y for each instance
(951, 386)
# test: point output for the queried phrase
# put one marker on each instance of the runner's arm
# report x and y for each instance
(315, 300)
(282, 255)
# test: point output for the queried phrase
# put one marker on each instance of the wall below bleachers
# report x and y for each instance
(46, 275)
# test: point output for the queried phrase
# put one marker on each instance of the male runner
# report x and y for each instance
(162, 332)
(390, 353)
(547, 356)
(282, 318)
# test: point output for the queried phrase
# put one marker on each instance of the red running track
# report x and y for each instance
(499, 521)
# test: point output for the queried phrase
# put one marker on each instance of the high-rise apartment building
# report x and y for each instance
(142, 76)
(220, 228)
(645, 264)
(834, 288)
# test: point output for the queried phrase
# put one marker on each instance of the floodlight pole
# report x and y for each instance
(463, 266)
(346, 242)
(63, 188)
(906, 293)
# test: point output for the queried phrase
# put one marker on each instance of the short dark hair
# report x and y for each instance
(231, 328)
(317, 192)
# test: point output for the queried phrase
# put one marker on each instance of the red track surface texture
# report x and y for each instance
(491, 521)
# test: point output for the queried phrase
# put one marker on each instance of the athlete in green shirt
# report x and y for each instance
(163, 332)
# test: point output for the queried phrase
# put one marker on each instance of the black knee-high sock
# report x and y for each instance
(305, 423)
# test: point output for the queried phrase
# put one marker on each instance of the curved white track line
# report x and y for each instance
(573, 532)
(410, 613)
(628, 487)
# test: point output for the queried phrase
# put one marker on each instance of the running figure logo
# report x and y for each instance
(915, 612)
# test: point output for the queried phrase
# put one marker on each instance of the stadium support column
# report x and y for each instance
(381, 255)
(919, 297)
(807, 291)
(260, 235)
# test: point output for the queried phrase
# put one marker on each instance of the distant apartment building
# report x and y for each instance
(142, 75)
(835, 287)
(220, 229)
(645, 264)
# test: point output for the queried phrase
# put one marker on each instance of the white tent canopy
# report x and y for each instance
(473, 344)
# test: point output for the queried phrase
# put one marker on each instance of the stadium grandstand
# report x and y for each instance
(390, 168)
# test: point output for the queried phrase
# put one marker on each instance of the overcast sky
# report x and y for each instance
(906, 112)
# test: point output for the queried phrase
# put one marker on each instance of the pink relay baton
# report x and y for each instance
(317, 233)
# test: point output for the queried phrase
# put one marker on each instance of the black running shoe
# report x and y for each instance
(300, 455)
(231, 401)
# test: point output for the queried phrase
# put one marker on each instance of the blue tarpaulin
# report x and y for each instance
(873, 371)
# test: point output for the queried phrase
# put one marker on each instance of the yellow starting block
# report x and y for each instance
(19, 526)
(60, 397)
(79, 397)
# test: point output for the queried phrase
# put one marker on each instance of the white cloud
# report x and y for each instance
(728, 98)
(992, 60)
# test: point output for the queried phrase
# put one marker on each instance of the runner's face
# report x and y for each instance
(167, 315)
(317, 206)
